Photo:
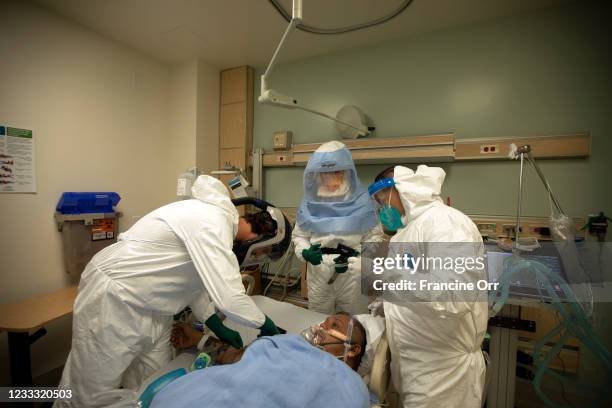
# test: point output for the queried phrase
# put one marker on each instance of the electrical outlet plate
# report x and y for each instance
(489, 149)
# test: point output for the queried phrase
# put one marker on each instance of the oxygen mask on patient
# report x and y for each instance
(320, 337)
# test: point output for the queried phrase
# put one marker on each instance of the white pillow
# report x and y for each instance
(374, 327)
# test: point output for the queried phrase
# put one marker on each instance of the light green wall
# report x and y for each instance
(541, 73)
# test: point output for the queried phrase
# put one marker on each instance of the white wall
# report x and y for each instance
(105, 118)
(194, 117)
(207, 121)
(182, 121)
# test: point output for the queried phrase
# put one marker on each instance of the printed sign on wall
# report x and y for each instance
(16, 160)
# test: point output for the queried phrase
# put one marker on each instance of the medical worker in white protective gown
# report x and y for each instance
(178, 255)
(335, 209)
(435, 346)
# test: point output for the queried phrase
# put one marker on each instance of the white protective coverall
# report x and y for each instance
(344, 216)
(436, 360)
(178, 255)
(344, 294)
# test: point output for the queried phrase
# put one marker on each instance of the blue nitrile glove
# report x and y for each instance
(269, 328)
(224, 333)
(313, 254)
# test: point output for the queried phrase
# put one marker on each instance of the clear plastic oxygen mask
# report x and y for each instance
(316, 335)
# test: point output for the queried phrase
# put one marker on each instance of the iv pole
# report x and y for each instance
(524, 153)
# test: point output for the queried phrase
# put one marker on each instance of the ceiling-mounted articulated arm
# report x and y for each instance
(272, 97)
(297, 18)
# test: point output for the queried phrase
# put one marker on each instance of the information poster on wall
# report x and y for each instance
(17, 173)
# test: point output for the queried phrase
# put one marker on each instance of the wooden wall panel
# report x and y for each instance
(236, 118)
(232, 125)
(234, 85)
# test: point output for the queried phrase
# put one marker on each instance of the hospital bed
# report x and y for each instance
(294, 319)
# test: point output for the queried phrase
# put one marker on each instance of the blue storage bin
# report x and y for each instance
(87, 202)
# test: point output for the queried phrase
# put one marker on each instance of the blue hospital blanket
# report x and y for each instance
(281, 371)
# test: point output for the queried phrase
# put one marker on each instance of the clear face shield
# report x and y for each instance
(329, 185)
(333, 183)
(381, 192)
(261, 253)
(266, 248)
(321, 337)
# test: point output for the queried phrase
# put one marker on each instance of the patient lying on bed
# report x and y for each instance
(279, 371)
(333, 341)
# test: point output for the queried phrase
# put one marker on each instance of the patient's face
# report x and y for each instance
(335, 327)
(333, 341)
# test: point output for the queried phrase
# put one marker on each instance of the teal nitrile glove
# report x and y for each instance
(268, 328)
(341, 264)
(224, 333)
(313, 254)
